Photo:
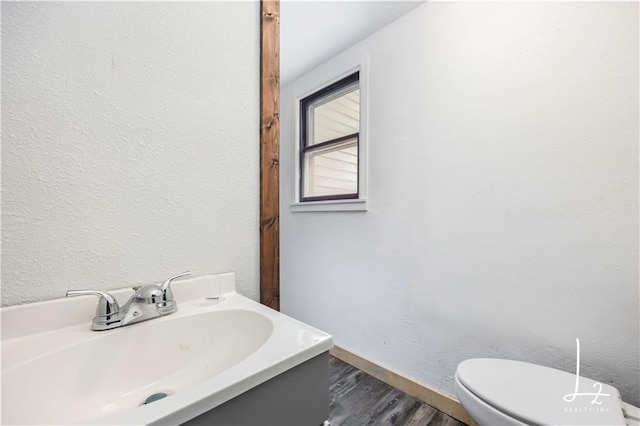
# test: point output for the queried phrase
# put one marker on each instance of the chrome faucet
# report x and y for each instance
(149, 301)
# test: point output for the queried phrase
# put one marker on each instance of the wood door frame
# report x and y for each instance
(270, 153)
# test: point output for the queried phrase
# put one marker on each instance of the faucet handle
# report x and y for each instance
(107, 304)
(165, 285)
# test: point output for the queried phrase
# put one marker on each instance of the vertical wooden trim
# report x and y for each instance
(269, 153)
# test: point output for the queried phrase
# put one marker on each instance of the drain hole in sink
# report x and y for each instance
(154, 397)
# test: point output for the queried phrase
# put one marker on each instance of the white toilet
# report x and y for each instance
(503, 392)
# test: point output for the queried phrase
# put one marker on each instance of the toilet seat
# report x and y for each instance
(518, 393)
(481, 412)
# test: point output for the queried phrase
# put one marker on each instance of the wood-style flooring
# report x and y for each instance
(356, 398)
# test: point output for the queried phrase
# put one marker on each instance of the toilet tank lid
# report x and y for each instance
(540, 395)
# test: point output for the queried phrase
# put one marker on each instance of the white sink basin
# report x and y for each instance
(111, 371)
(208, 351)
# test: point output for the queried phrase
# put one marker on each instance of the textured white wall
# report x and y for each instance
(130, 137)
(311, 32)
(503, 196)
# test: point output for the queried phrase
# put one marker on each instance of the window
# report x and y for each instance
(330, 142)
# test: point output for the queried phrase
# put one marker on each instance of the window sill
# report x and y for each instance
(330, 206)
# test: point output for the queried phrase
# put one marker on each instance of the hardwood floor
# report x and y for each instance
(356, 398)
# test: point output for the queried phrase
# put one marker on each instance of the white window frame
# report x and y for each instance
(323, 76)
